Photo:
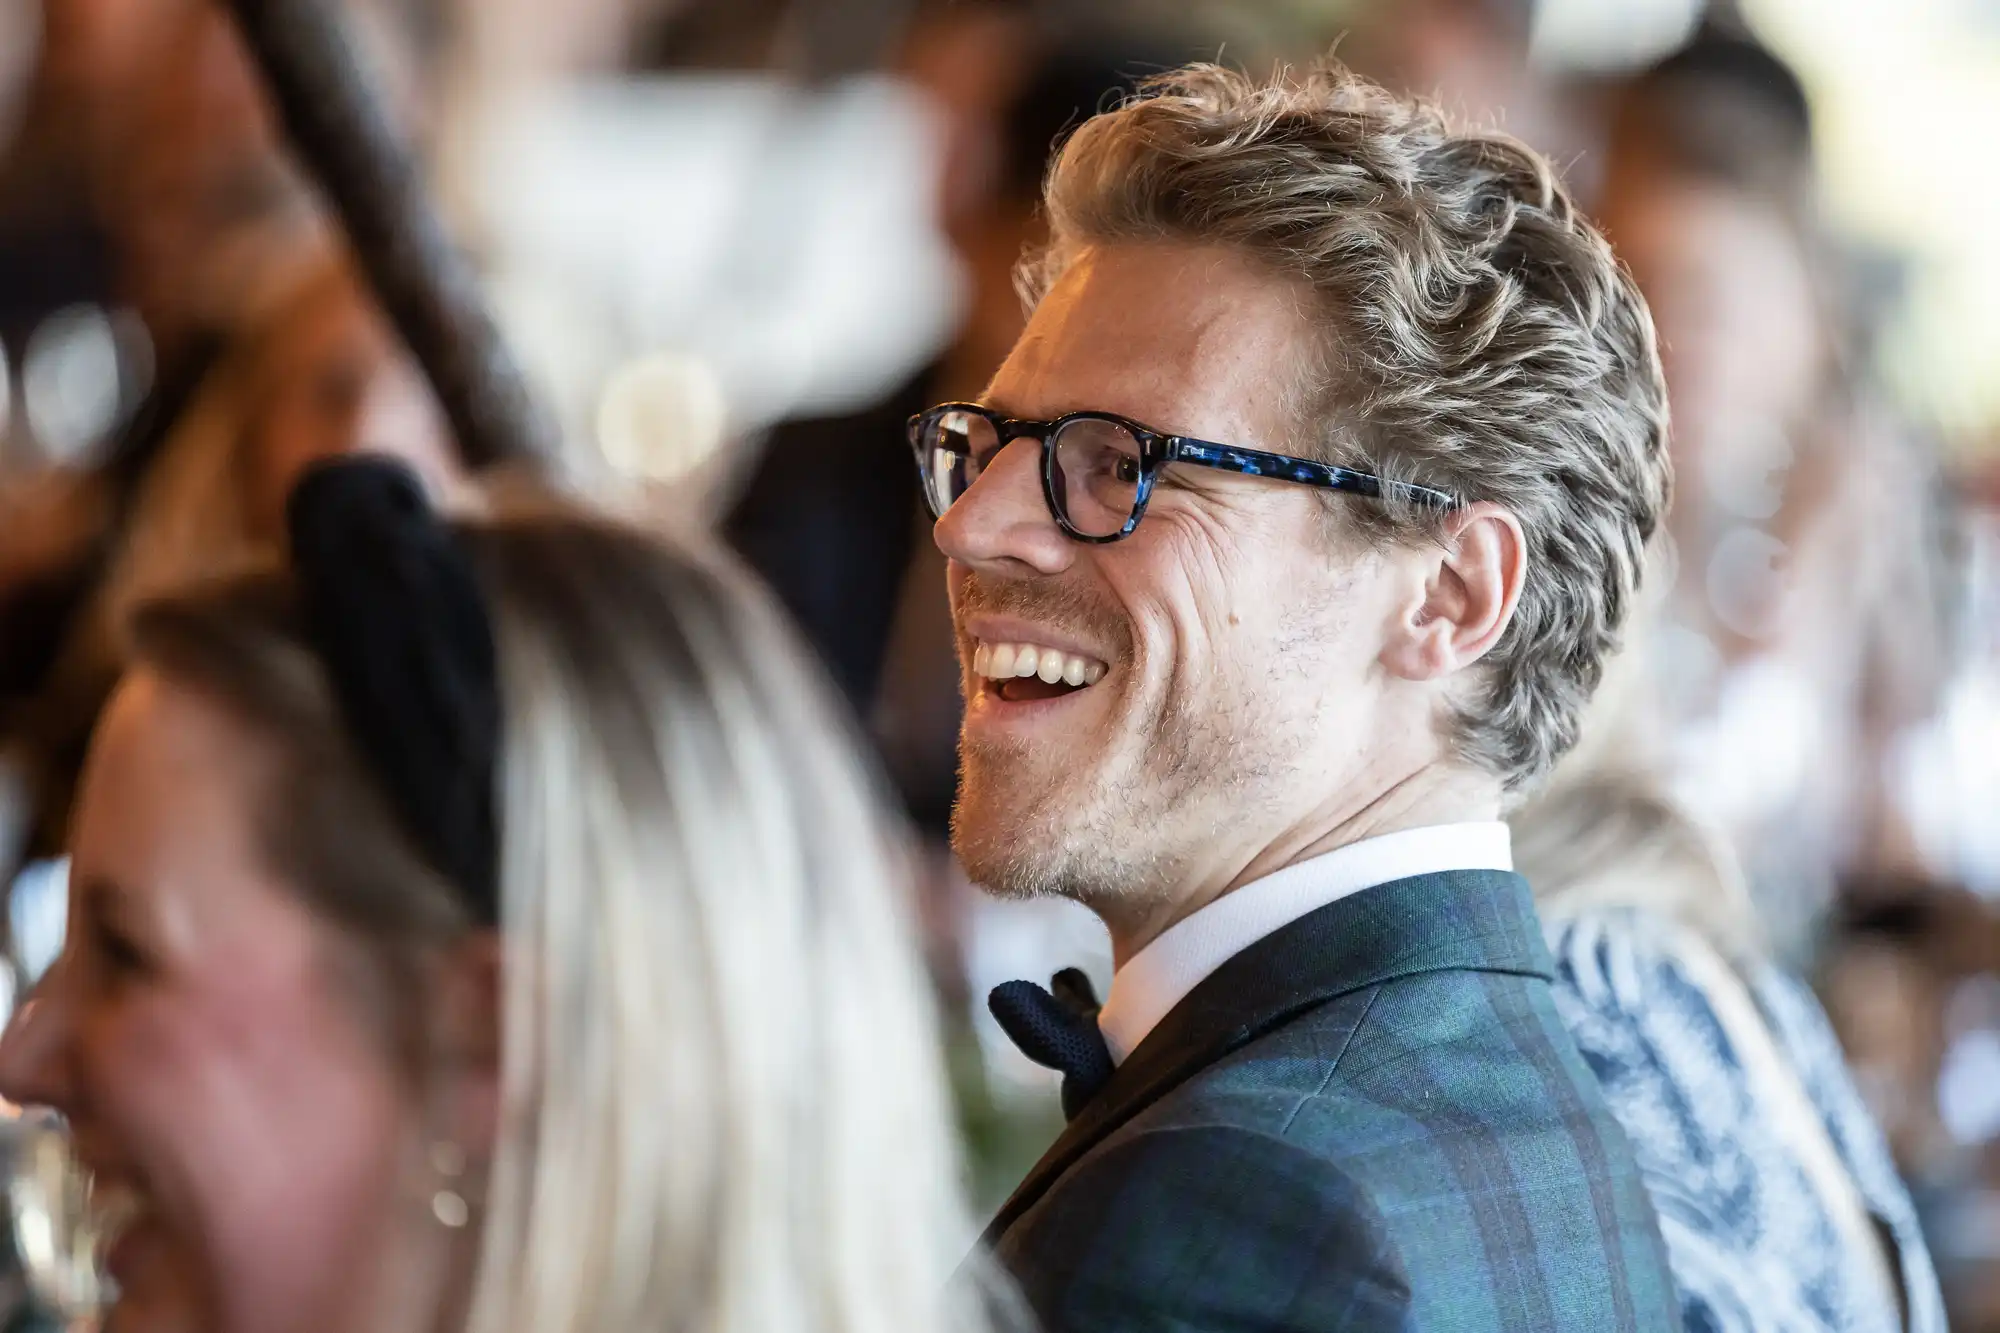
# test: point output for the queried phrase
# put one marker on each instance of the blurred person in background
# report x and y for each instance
(1473, 57)
(313, 371)
(54, 249)
(1288, 542)
(1803, 628)
(147, 157)
(149, 152)
(190, 161)
(486, 926)
(149, 131)
(210, 238)
(1778, 1197)
(1693, 840)
(1912, 983)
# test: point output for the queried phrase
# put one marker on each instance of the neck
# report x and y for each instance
(1427, 797)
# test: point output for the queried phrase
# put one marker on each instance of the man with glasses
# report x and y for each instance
(1285, 550)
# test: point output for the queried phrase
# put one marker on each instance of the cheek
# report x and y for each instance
(266, 1127)
(1204, 606)
(1284, 632)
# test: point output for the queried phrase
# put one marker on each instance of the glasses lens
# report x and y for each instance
(1096, 476)
(955, 447)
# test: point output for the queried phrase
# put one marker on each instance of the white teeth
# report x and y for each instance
(1010, 661)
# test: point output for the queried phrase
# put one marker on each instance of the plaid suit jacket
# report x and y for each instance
(1371, 1119)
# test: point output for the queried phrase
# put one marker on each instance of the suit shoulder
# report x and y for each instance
(1461, 1047)
(1432, 1093)
(1173, 1227)
(1220, 1175)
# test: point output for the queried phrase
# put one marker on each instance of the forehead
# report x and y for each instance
(168, 821)
(166, 768)
(1195, 340)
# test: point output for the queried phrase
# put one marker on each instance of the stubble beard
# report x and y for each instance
(1117, 823)
(1114, 817)
(1048, 818)
(1021, 837)
(1096, 829)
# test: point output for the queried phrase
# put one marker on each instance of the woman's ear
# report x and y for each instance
(467, 1044)
(1462, 597)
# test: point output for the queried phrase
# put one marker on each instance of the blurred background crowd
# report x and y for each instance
(738, 242)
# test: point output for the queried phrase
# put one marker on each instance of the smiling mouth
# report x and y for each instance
(1032, 672)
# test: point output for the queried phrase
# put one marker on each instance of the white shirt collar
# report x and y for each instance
(1160, 975)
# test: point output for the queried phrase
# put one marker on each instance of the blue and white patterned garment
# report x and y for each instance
(1752, 1244)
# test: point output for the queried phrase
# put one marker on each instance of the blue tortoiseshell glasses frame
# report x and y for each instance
(1098, 468)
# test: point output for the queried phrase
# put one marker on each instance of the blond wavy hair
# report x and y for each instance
(1476, 334)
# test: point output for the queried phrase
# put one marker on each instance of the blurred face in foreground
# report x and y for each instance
(204, 1034)
(1257, 675)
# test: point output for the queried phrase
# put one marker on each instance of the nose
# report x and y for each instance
(34, 1050)
(1002, 523)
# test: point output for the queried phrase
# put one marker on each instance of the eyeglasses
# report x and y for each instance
(1098, 469)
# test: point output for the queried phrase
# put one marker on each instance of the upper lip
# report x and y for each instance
(1001, 629)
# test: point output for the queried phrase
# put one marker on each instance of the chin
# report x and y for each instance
(988, 856)
(1009, 846)
(1037, 844)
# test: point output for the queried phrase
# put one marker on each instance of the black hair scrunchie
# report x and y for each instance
(397, 619)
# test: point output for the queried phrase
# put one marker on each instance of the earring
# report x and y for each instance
(447, 1204)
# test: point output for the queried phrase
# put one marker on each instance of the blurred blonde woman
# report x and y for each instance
(482, 926)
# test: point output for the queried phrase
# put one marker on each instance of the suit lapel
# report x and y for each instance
(1483, 920)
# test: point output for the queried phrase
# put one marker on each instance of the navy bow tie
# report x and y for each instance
(1057, 1031)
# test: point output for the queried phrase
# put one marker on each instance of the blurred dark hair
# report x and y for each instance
(1071, 82)
(1723, 106)
(1512, 21)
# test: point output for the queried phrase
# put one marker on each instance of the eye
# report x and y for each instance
(107, 930)
(120, 953)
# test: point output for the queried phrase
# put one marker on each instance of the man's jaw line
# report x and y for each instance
(1435, 793)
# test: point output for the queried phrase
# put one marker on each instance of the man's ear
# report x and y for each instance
(1461, 595)
(466, 1044)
